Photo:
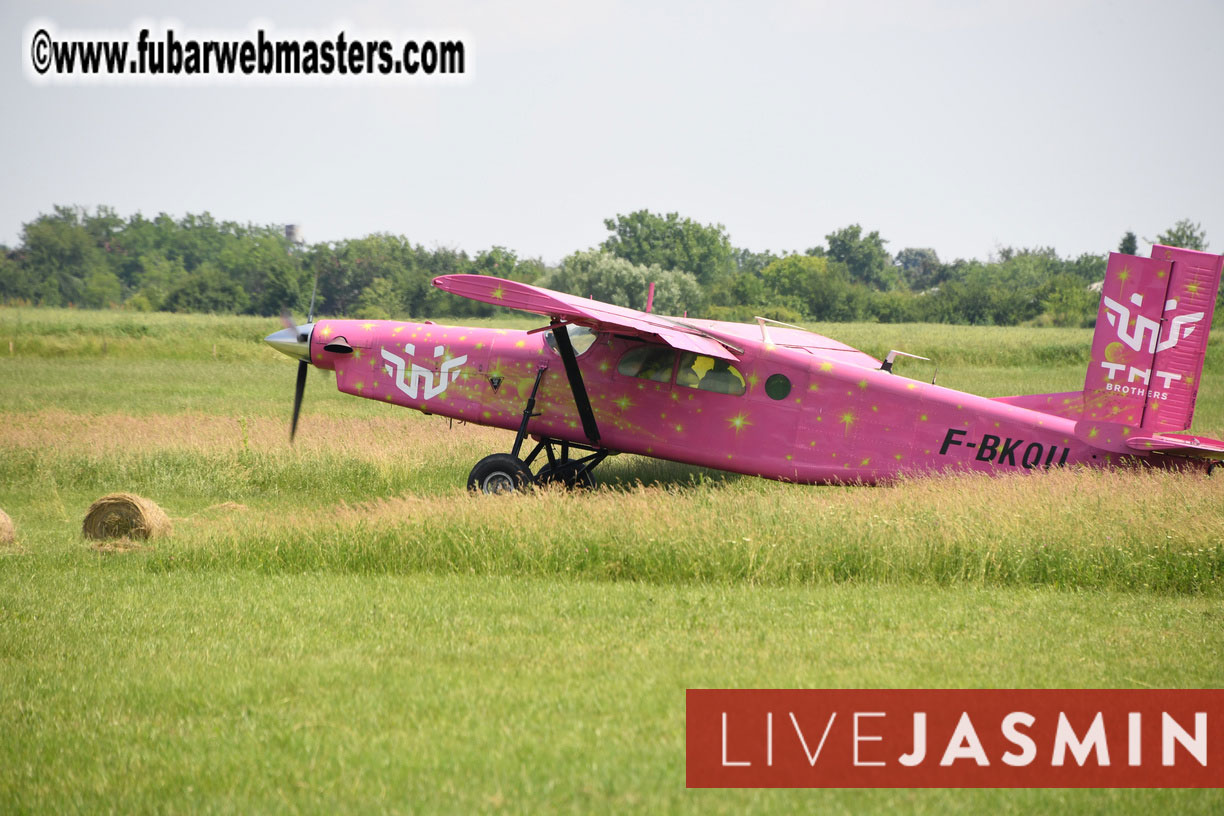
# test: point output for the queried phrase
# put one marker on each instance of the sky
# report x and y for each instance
(961, 126)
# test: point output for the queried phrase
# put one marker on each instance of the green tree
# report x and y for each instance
(822, 290)
(864, 257)
(1129, 245)
(207, 289)
(103, 225)
(920, 267)
(1069, 302)
(614, 280)
(1087, 267)
(260, 262)
(433, 301)
(100, 289)
(748, 262)
(1185, 234)
(197, 239)
(157, 276)
(348, 268)
(897, 306)
(743, 289)
(376, 301)
(60, 254)
(16, 283)
(671, 242)
(504, 263)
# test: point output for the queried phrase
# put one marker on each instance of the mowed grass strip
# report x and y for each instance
(130, 691)
(101, 362)
(74, 333)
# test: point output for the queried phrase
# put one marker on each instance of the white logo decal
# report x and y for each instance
(1180, 326)
(1143, 375)
(421, 376)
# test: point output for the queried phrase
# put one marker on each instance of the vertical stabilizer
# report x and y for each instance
(1150, 341)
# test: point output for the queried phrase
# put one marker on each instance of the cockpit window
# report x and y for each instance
(581, 338)
(709, 374)
(648, 362)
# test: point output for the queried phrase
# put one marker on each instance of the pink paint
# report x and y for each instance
(791, 404)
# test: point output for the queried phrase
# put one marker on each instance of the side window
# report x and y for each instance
(648, 362)
(709, 374)
(581, 338)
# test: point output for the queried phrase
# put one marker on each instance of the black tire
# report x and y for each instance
(565, 472)
(499, 473)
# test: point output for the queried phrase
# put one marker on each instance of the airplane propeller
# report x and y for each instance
(294, 340)
(298, 391)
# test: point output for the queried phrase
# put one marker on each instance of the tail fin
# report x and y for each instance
(1150, 341)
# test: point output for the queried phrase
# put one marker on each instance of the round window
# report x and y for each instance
(777, 386)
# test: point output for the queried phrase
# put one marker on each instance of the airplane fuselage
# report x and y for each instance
(788, 413)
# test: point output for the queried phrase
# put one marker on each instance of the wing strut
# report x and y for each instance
(574, 375)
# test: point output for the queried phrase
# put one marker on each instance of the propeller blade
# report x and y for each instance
(297, 397)
(287, 321)
(313, 291)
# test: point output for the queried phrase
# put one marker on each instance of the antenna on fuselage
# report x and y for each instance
(887, 365)
(761, 321)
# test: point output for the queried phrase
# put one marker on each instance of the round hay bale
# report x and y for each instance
(8, 533)
(125, 515)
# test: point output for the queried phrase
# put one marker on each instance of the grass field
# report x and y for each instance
(338, 626)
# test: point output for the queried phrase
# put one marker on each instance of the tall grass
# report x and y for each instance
(349, 503)
(374, 489)
(957, 530)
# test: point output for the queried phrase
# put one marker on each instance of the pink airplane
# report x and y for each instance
(771, 400)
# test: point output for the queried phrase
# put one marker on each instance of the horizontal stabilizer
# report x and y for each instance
(1199, 447)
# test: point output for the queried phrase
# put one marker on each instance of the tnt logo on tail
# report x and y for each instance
(1147, 353)
(1180, 326)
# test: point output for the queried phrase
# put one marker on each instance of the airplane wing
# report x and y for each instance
(1179, 444)
(583, 312)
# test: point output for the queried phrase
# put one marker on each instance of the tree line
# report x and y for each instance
(74, 257)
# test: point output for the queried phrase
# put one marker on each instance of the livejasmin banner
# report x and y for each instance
(955, 738)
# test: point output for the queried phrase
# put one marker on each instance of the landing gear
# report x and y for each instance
(566, 472)
(506, 473)
(561, 469)
(499, 473)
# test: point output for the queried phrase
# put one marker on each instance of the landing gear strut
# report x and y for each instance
(506, 472)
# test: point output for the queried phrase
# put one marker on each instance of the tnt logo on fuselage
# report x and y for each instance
(420, 379)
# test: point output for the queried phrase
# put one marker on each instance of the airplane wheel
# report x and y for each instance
(499, 473)
(563, 472)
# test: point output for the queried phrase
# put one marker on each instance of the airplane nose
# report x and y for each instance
(295, 341)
